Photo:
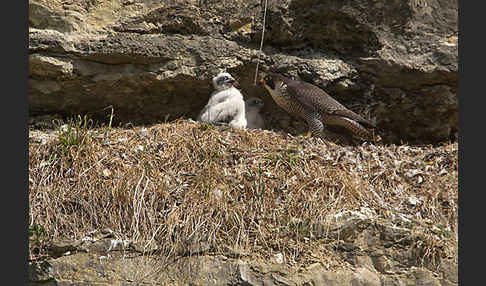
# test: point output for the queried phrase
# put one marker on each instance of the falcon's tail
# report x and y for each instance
(353, 126)
(354, 116)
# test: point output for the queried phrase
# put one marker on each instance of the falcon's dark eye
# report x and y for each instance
(222, 79)
(267, 78)
(256, 101)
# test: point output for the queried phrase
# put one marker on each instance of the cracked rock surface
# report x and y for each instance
(372, 252)
(395, 63)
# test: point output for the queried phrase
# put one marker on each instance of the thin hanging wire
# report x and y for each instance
(261, 43)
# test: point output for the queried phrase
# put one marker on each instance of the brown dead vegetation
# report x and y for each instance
(193, 187)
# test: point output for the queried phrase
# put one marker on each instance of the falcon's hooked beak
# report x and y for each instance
(267, 85)
(263, 79)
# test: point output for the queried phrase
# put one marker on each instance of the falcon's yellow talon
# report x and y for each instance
(305, 135)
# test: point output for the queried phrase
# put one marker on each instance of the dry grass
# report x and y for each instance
(188, 185)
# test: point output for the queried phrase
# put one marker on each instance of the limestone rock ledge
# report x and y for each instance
(366, 252)
(393, 62)
(132, 268)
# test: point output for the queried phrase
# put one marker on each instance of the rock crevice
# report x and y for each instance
(154, 60)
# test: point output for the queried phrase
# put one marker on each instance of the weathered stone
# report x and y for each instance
(64, 21)
(424, 277)
(42, 66)
(59, 248)
(110, 261)
(395, 63)
(449, 270)
(363, 276)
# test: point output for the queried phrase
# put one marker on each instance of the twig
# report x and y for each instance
(93, 166)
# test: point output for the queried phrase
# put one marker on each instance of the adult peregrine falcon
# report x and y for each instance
(252, 108)
(314, 105)
(226, 104)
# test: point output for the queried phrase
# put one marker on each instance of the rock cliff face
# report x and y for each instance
(392, 61)
(372, 253)
(130, 269)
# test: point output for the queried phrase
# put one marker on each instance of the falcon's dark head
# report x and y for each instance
(268, 81)
(275, 84)
(272, 80)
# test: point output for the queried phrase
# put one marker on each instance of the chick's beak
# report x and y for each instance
(262, 81)
(235, 83)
